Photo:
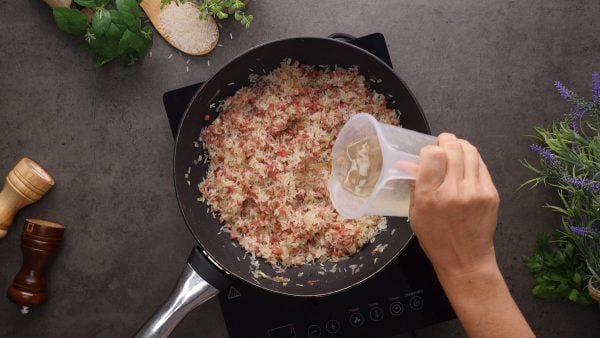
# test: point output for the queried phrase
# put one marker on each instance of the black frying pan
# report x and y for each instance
(188, 172)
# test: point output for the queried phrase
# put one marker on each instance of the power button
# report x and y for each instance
(416, 303)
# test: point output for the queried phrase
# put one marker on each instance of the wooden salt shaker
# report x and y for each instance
(40, 241)
(26, 183)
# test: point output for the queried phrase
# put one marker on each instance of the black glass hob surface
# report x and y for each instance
(405, 296)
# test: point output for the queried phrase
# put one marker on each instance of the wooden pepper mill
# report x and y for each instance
(26, 183)
(40, 241)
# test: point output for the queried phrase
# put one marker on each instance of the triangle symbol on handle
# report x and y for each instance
(233, 293)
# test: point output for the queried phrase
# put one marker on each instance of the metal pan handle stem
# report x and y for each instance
(191, 290)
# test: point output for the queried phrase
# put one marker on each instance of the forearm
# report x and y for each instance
(483, 303)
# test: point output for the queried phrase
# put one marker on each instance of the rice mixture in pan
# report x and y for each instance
(270, 150)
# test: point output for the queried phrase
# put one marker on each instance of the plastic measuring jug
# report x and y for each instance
(390, 192)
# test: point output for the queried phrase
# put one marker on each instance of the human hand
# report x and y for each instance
(453, 212)
(454, 207)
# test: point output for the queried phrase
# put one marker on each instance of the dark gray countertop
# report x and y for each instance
(481, 69)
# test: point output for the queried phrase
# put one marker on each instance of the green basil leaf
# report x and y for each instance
(106, 47)
(97, 43)
(534, 266)
(86, 3)
(114, 32)
(117, 19)
(130, 40)
(101, 22)
(102, 3)
(70, 20)
(110, 49)
(573, 295)
(143, 50)
(132, 22)
(558, 278)
(130, 6)
(540, 290)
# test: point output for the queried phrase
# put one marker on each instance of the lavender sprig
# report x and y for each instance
(565, 92)
(575, 116)
(596, 87)
(546, 155)
(582, 231)
(584, 184)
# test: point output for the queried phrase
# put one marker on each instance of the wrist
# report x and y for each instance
(484, 269)
(474, 287)
(476, 293)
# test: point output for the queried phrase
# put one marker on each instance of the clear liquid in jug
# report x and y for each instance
(364, 162)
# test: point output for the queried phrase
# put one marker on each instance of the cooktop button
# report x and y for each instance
(314, 331)
(396, 308)
(416, 303)
(376, 314)
(357, 319)
(332, 326)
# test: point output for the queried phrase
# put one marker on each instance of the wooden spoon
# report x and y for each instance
(209, 32)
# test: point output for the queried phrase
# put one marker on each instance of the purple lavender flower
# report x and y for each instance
(575, 125)
(546, 154)
(582, 231)
(579, 112)
(596, 87)
(575, 116)
(563, 91)
(584, 184)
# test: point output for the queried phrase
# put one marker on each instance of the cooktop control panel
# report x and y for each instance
(357, 321)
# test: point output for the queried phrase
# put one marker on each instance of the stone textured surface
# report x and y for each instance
(482, 69)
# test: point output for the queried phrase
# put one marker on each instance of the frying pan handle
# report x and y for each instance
(191, 290)
(342, 36)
